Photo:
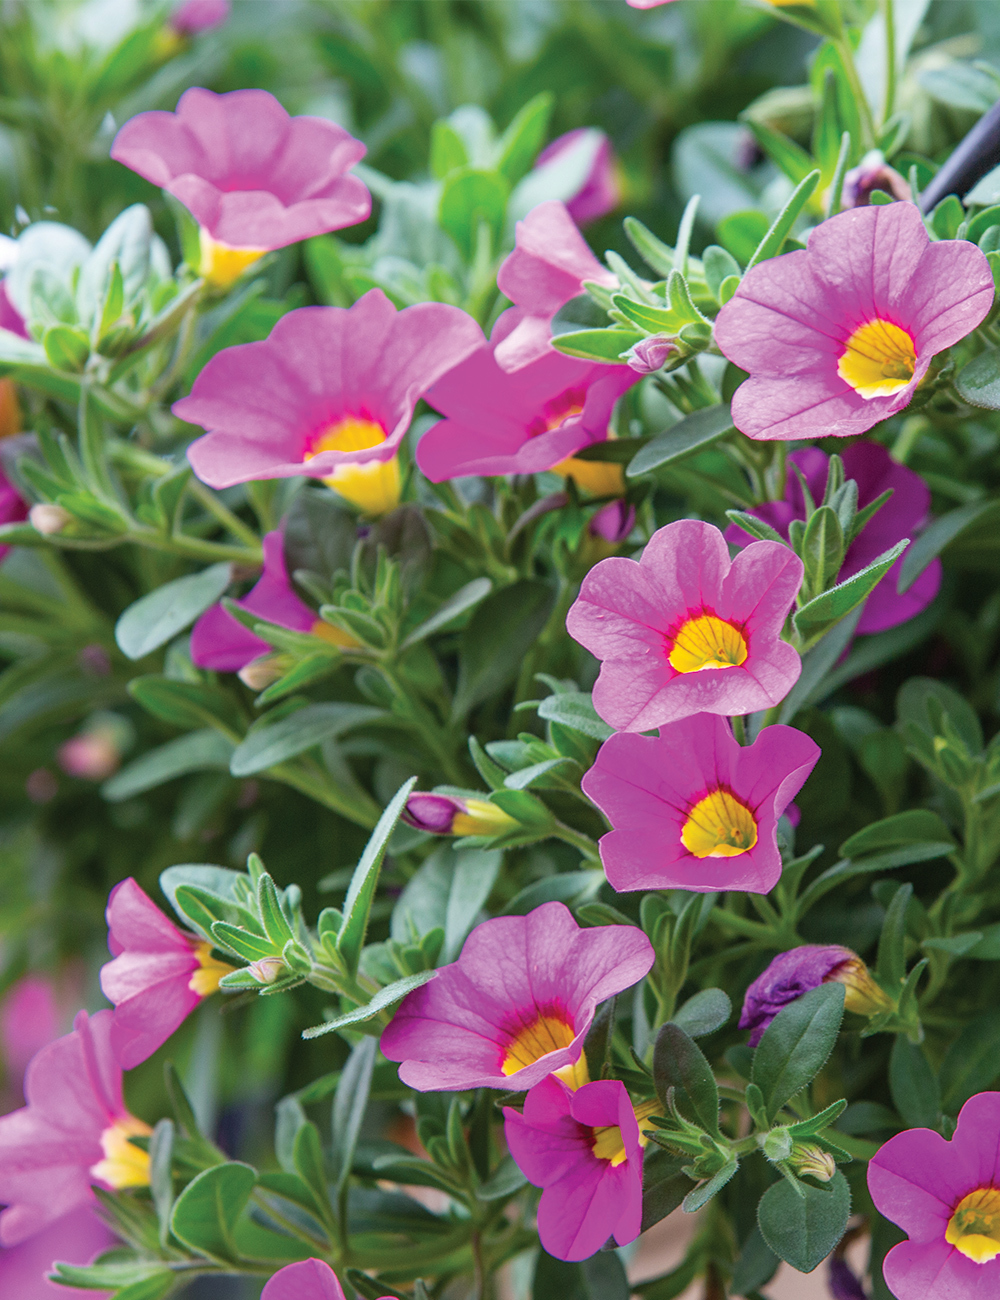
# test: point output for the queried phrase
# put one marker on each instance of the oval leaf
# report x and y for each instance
(158, 617)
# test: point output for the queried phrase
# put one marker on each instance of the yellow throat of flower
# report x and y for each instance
(608, 1143)
(707, 642)
(205, 980)
(124, 1165)
(221, 265)
(373, 486)
(719, 826)
(545, 1034)
(974, 1227)
(878, 360)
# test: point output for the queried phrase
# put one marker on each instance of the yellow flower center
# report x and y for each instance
(124, 1165)
(221, 265)
(548, 1033)
(373, 486)
(707, 642)
(205, 980)
(879, 359)
(608, 1144)
(719, 826)
(974, 1228)
(601, 478)
(482, 818)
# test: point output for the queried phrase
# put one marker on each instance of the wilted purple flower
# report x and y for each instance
(650, 354)
(872, 173)
(791, 974)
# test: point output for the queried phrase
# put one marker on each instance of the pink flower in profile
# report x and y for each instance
(76, 1238)
(331, 390)
(517, 1004)
(685, 630)
(525, 421)
(837, 336)
(158, 976)
(584, 1149)
(310, 1280)
(946, 1198)
(903, 515)
(600, 192)
(549, 264)
(693, 809)
(73, 1132)
(194, 16)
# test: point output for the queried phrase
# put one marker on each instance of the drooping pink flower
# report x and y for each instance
(310, 1280)
(329, 392)
(517, 1004)
(158, 976)
(194, 16)
(583, 1148)
(903, 515)
(600, 192)
(693, 809)
(549, 264)
(525, 421)
(684, 630)
(797, 971)
(73, 1132)
(837, 336)
(946, 1198)
(76, 1238)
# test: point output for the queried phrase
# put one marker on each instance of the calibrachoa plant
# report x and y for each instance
(492, 663)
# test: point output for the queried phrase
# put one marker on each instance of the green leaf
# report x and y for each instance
(913, 1085)
(802, 1230)
(781, 227)
(978, 382)
(679, 1063)
(917, 826)
(719, 265)
(521, 143)
(934, 539)
(454, 607)
(138, 1280)
(606, 345)
(601, 1277)
(349, 1105)
(271, 743)
(796, 1045)
(155, 619)
(67, 348)
(755, 1265)
(822, 550)
(476, 871)
(575, 709)
(919, 700)
(504, 1181)
(564, 887)
(653, 251)
(188, 705)
(692, 434)
(742, 232)
(704, 1013)
(830, 607)
(361, 892)
(664, 1186)
(448, 151)
(500, 633)
(206, 1211)
(385, 997)
(198, 751)
(789, 156)
(268, 905)
(891, 967)
(307, 1157)
(470, 196)
(704, 1192)
(244, 943)
(972, 1063)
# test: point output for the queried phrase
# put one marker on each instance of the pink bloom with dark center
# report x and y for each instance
(73, 1132)
(903, 515)
(600, 192)
(583, 1149)
(946, 1198)
(793, 973)
(330, 388)
(252, 176)
(685, 630)
(517, 1004)
(158, 976)
(549, 264)
(195, 16)
(693, 809)
(310, 1280)
(837, 336)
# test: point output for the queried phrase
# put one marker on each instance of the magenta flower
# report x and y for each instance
(600, 192)
(251, 176)
(613, 522)
(331, 389)
(29, 1019)
(685, 630)
(517, 1004)
(310, 1280)
(793, 973)
(158, 976)
(871, 174)
(194, 16)
(10, 318)
(647, 4)
(13, 507)
(903, 515)
(74, 1131)
(74, 1239)
(693, 809)
(946, 1198)
(837, 336)
(524, 421)
(584, 1149)
(549, 264)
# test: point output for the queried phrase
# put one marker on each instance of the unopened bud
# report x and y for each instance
(861, 994)
(812, 1161)
(259, 673)
(267, 970)
(92, 755)
(777, 1144)
(650, 354)
(871, 174)
(48, 519)
(445, 814)
(613, 522)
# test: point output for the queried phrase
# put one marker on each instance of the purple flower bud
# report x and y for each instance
(872, 173)
(842, 1282)
(650, 354)
(431, 812)
(794, 973)
(613, 522)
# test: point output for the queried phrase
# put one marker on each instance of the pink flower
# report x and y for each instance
(837, 336)
(946, 1198)
(523, 422)
(685, 630)
(548, 267)
(29, 1019)
(91, 755)
(74, 1239)
(903, 515)
(600, 193)
(647, 4)
(310, 1280)
(517, 1004)
(74, 1131)
(193, 16)
(693, 809)
(13, 507)
(331, 390)
(613, 522)
(10, 318)
(158, 976)
(584, 1149)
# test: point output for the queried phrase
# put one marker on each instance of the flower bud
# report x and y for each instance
(613, 522)
(872, 173)
(445, 814)
(600, 192)
(48, 519)
(91, 755)
(650, 354)
(267, 970)
(259, 673)
(809, 1160)
(193, 16)
(793, 973)
(777, 1144)
(862, 995)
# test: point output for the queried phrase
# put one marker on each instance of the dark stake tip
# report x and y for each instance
(977, 154)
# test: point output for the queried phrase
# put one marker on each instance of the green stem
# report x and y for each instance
(889, 17)
(858, 91)
(222, 513)
(197, 548)
(584, 843)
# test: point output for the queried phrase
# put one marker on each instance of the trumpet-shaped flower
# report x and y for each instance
(793, 973)
(946, 1198)
(584, 1149)
(874, 471)
(158, 976)
(74, 1239)
(309, 1280)
(685, 630)
(524, 421)
(837, 336)
(549, 265)
(329, 393)
(73, 1132)
(693, 809)
(600, 192)
(252, 177)
(517, 1004)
